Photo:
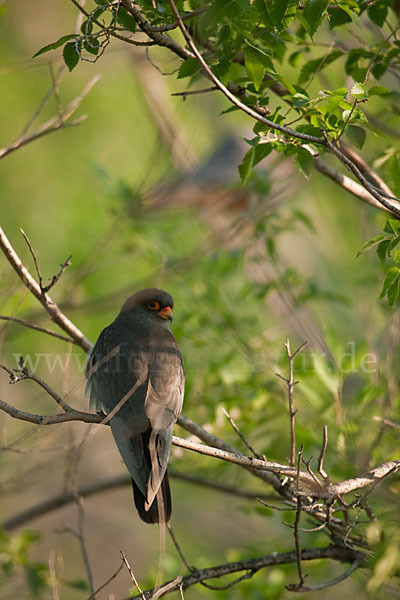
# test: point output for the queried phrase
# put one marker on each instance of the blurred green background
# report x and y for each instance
(145, 192)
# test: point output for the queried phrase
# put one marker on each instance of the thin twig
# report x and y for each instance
(53, 124)
(52, 308)
(82, 543)
(38, 328)
(34, 256)
(79, 535)
(132, 575)
(240, 434)
(66, 497)
(103, 585)
(290, 387)
(331, 582)
(296, 526)
(322, 453)
(23, 373)
(56, 277)
(387, 422)
(187, 93)
(178, 548)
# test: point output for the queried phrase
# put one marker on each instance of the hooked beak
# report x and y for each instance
(166, 313)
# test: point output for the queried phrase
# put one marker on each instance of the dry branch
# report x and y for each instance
(51, 307)
(53, 124)
(333, 552)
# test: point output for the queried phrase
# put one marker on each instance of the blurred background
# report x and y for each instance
(145, 192)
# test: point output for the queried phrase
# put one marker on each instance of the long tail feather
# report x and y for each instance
(155, 514)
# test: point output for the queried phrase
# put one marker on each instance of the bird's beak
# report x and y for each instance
(166, 313)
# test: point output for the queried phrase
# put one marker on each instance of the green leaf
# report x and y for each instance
(382, 249)
(251, 158)
(92, 45)
(278, 10)
(358, 90)
(392, 226)
(317, 64)
(356, 134)
(71, 56)
(125, 19)
(377, 12)
(261, 151)
(246, 166)
(189, 67)
(338, 16)
(370, 244)
(309, 130)
(311, 16)
(56, 44)
(393, 291)
(256, 62)
(391, 285)
(357, 63)
(378, 90)
(87, 27)
(303, 161)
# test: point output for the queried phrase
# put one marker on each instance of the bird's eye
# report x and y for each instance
(153, 305)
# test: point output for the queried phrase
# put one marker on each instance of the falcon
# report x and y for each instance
(135, 376)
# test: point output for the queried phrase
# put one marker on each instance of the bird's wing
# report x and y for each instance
(163, 404)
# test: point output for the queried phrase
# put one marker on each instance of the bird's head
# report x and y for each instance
(152, 303)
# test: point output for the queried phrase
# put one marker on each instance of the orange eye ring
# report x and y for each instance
(153, 305)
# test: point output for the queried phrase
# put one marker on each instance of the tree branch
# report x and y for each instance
(318, 489)
(53, 124)
(333, 552)
(52, 308)
(38, 328)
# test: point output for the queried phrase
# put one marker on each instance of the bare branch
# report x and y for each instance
(322, 490)
(255, 564)
(74, 415)
(123, 480)
(56, 277)
(321, 586)
(290, 387)
(103, 585)
(53, 124)
(216, 442)
(22, 373)
(52, 308)
(178, 548)
(35, 258)
(347, 183)
(296, 525)
(388, 423)
(159, 38)
(38, 328)
(240, 434)
(82, 543)
(132, 575)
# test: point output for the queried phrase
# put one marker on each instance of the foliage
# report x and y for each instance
(15, 559)
(385, 246)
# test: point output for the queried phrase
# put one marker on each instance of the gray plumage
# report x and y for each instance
(135, 371)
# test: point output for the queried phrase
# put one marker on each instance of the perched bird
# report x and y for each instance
(135, 376)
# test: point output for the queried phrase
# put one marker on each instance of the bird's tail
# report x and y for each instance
(160, 509)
